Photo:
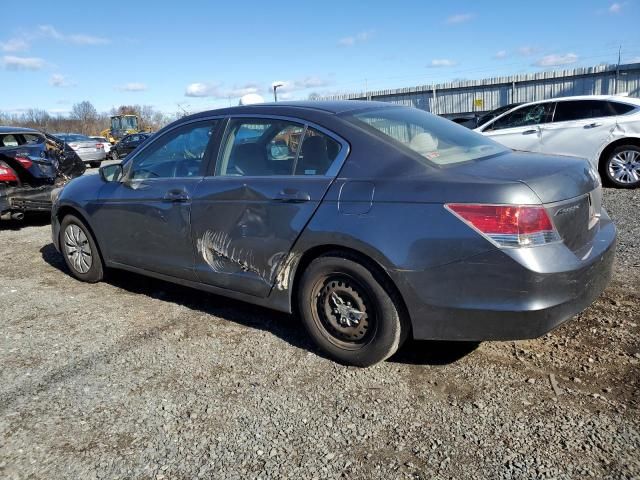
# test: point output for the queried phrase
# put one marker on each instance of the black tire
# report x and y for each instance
(95, 164)
(114, 154)
(615, 163)
(95, 272)
(378, 329)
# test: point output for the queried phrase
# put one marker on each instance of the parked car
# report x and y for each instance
(88, 149)
(603, 129)
(105, 144)
(32, 164)
(127, 145)
(375, 222)
(496, 112)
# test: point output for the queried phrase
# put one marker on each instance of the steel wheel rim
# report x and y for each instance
(624, 167)
(77, 248)
(344, 311)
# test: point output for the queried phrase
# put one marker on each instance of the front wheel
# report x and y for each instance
(80, 251)
(350, 313)
(622, 167)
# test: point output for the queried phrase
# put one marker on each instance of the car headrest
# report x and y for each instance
(315, 159)
(424, 143)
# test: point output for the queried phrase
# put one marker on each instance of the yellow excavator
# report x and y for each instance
(121, 125)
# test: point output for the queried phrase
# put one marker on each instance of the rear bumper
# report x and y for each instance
(26, 199)
(92, 156)
(508, 294)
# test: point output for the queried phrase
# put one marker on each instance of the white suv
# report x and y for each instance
(604, 129)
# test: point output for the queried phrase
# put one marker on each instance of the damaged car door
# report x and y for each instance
(143, 219)
(270, 176)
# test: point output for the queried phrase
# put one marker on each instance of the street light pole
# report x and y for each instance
(275, 91)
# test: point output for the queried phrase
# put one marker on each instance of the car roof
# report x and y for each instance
(617, 98)
(329, 107)
(18, 130)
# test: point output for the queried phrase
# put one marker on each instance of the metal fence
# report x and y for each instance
(474, 96)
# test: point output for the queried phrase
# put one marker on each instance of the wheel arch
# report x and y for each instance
(65, 210)
(635, 141)
(366, 260)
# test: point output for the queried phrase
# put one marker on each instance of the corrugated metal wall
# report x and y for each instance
(466, 97)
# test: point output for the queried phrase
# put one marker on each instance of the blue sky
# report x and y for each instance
(196, 55)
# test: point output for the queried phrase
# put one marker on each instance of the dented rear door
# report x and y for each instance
(244, 220)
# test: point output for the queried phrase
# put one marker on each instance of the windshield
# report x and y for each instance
(129, 123)
(435, 139)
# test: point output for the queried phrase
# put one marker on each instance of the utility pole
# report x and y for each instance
(615, 87)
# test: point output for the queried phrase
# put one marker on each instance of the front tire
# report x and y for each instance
(350, 313)
(80, 250)
(622, 167)
(114, 155)
(95, 164)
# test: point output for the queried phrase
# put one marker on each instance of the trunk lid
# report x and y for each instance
(567, 187)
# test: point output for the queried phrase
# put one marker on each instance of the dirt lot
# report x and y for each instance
(136, 378)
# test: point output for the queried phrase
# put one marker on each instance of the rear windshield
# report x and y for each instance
(435, 139)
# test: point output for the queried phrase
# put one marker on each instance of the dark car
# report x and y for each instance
(375, 222)
(127, 145)
(31, 165)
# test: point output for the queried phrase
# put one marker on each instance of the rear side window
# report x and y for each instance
(9, 140)
(30, 139)
(621, 108)
(537, 114)
(269, 147)
(435, 139)
(582, 109)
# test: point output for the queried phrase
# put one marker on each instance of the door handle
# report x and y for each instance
(592, 125)
(289, 195)
(176, 196)
(530, 132)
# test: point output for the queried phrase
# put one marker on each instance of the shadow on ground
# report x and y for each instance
(285, 326)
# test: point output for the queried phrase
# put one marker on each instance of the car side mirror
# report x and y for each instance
(111, 173)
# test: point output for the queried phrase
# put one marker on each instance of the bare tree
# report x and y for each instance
(87, 115)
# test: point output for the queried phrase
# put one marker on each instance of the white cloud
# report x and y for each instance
(202, 90)
(501, 54)
(358, 38)
(48, 31)
(59, 80)
(11, 62)
(528, 50)
(615, 7)
(442, 62)
(132, 87)
(556, 60)
(14, 45)
(459, 18)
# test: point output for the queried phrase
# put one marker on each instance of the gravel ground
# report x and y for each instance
(137, 378)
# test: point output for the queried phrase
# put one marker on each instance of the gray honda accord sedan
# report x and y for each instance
(375, 222)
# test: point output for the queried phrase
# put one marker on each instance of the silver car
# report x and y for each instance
(89, 150)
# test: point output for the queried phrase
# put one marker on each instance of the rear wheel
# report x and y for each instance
(80, 251)
(622, 167)
(94, 164)
(114, 154)
(350, 313)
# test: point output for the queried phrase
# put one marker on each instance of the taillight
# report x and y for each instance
(99, 145)
(7, 174)
(25, 162)
(508, 225)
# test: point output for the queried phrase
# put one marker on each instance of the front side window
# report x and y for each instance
(435, 139)
(582, 109)
(178, 153)
(267, 147)
(622, 108)
(525, 116)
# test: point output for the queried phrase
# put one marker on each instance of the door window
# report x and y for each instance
(582, 109)
(529, 115)
(178, 153)
(622, 108)
(265, 147)
(9, 141)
